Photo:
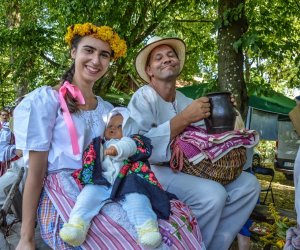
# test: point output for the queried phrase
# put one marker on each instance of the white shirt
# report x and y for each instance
(7, 150)
(153, 115)
(39, 125)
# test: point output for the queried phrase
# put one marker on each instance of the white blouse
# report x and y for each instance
(153, 115)
(39, 126)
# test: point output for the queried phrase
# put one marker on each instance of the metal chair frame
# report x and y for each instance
(268, 172)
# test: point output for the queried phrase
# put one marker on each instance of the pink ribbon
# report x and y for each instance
(76, 93)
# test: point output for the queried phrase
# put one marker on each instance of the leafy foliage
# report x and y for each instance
(272, 42)
(33, 52)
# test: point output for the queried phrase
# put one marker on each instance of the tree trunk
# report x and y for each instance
(13, 21)
(230, 58)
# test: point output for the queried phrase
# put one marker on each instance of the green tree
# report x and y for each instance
(271, 45)
(33, 52)
(232, 26)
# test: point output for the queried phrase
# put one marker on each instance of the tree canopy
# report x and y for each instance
(33, 52)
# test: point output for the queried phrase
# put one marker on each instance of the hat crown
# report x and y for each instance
(154, 39)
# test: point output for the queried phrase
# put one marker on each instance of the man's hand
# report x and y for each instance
(112, 151)
(232, 99)
(197, 110)
(19, 152)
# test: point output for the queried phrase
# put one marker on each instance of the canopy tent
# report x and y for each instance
(277, 103)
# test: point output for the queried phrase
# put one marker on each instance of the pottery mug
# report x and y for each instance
(222, 111)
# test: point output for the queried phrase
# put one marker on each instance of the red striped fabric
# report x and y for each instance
(6, 165)
(179, 232)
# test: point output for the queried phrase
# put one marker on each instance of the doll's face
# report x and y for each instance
(114, 128)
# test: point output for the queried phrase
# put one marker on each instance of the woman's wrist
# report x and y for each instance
(27, 232)
(27, 237)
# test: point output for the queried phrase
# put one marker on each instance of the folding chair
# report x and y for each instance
(268, 172)
(13, 200)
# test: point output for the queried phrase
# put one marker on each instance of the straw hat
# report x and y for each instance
(140, 61)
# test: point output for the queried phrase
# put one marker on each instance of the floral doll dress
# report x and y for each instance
(134, 177)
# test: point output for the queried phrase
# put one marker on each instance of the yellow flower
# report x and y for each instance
(105, 33)
(280, 243)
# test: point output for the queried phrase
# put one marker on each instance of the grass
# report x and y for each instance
(284, 196)
(283, 189)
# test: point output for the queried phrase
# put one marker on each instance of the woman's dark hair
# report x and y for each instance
(68, 76)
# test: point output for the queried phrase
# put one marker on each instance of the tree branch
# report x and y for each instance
(49, 60)
(193, 21)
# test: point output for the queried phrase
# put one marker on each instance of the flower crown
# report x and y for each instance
(105, 33)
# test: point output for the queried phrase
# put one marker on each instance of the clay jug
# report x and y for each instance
(222, 116)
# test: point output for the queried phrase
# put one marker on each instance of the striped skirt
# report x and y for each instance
(110, 229)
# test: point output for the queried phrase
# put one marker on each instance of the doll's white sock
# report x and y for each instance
(74, 232)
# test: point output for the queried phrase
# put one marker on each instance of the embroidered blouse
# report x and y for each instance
(39, 125)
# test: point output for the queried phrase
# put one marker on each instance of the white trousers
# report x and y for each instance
(221, 211)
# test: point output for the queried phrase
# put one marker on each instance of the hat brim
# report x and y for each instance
(141, 59)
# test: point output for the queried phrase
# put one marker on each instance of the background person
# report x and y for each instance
(162, 113)
(10, 159)
(4, 116)
(243, 237)
(8, 151)
(293, 233)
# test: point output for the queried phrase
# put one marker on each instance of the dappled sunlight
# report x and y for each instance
(283, 189)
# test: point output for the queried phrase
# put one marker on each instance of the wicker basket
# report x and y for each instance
(224, 171)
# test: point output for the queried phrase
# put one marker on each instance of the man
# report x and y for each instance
(4, 115)
(162, 113)
(8, 151)
(10, 158)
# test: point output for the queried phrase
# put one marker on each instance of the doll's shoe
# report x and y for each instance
(74, 232)
(148, 234)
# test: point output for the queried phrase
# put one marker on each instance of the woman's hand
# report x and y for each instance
(197, 110)
(32, 190)
(25, 245)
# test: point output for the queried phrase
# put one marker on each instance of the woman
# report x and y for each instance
(57, 125)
